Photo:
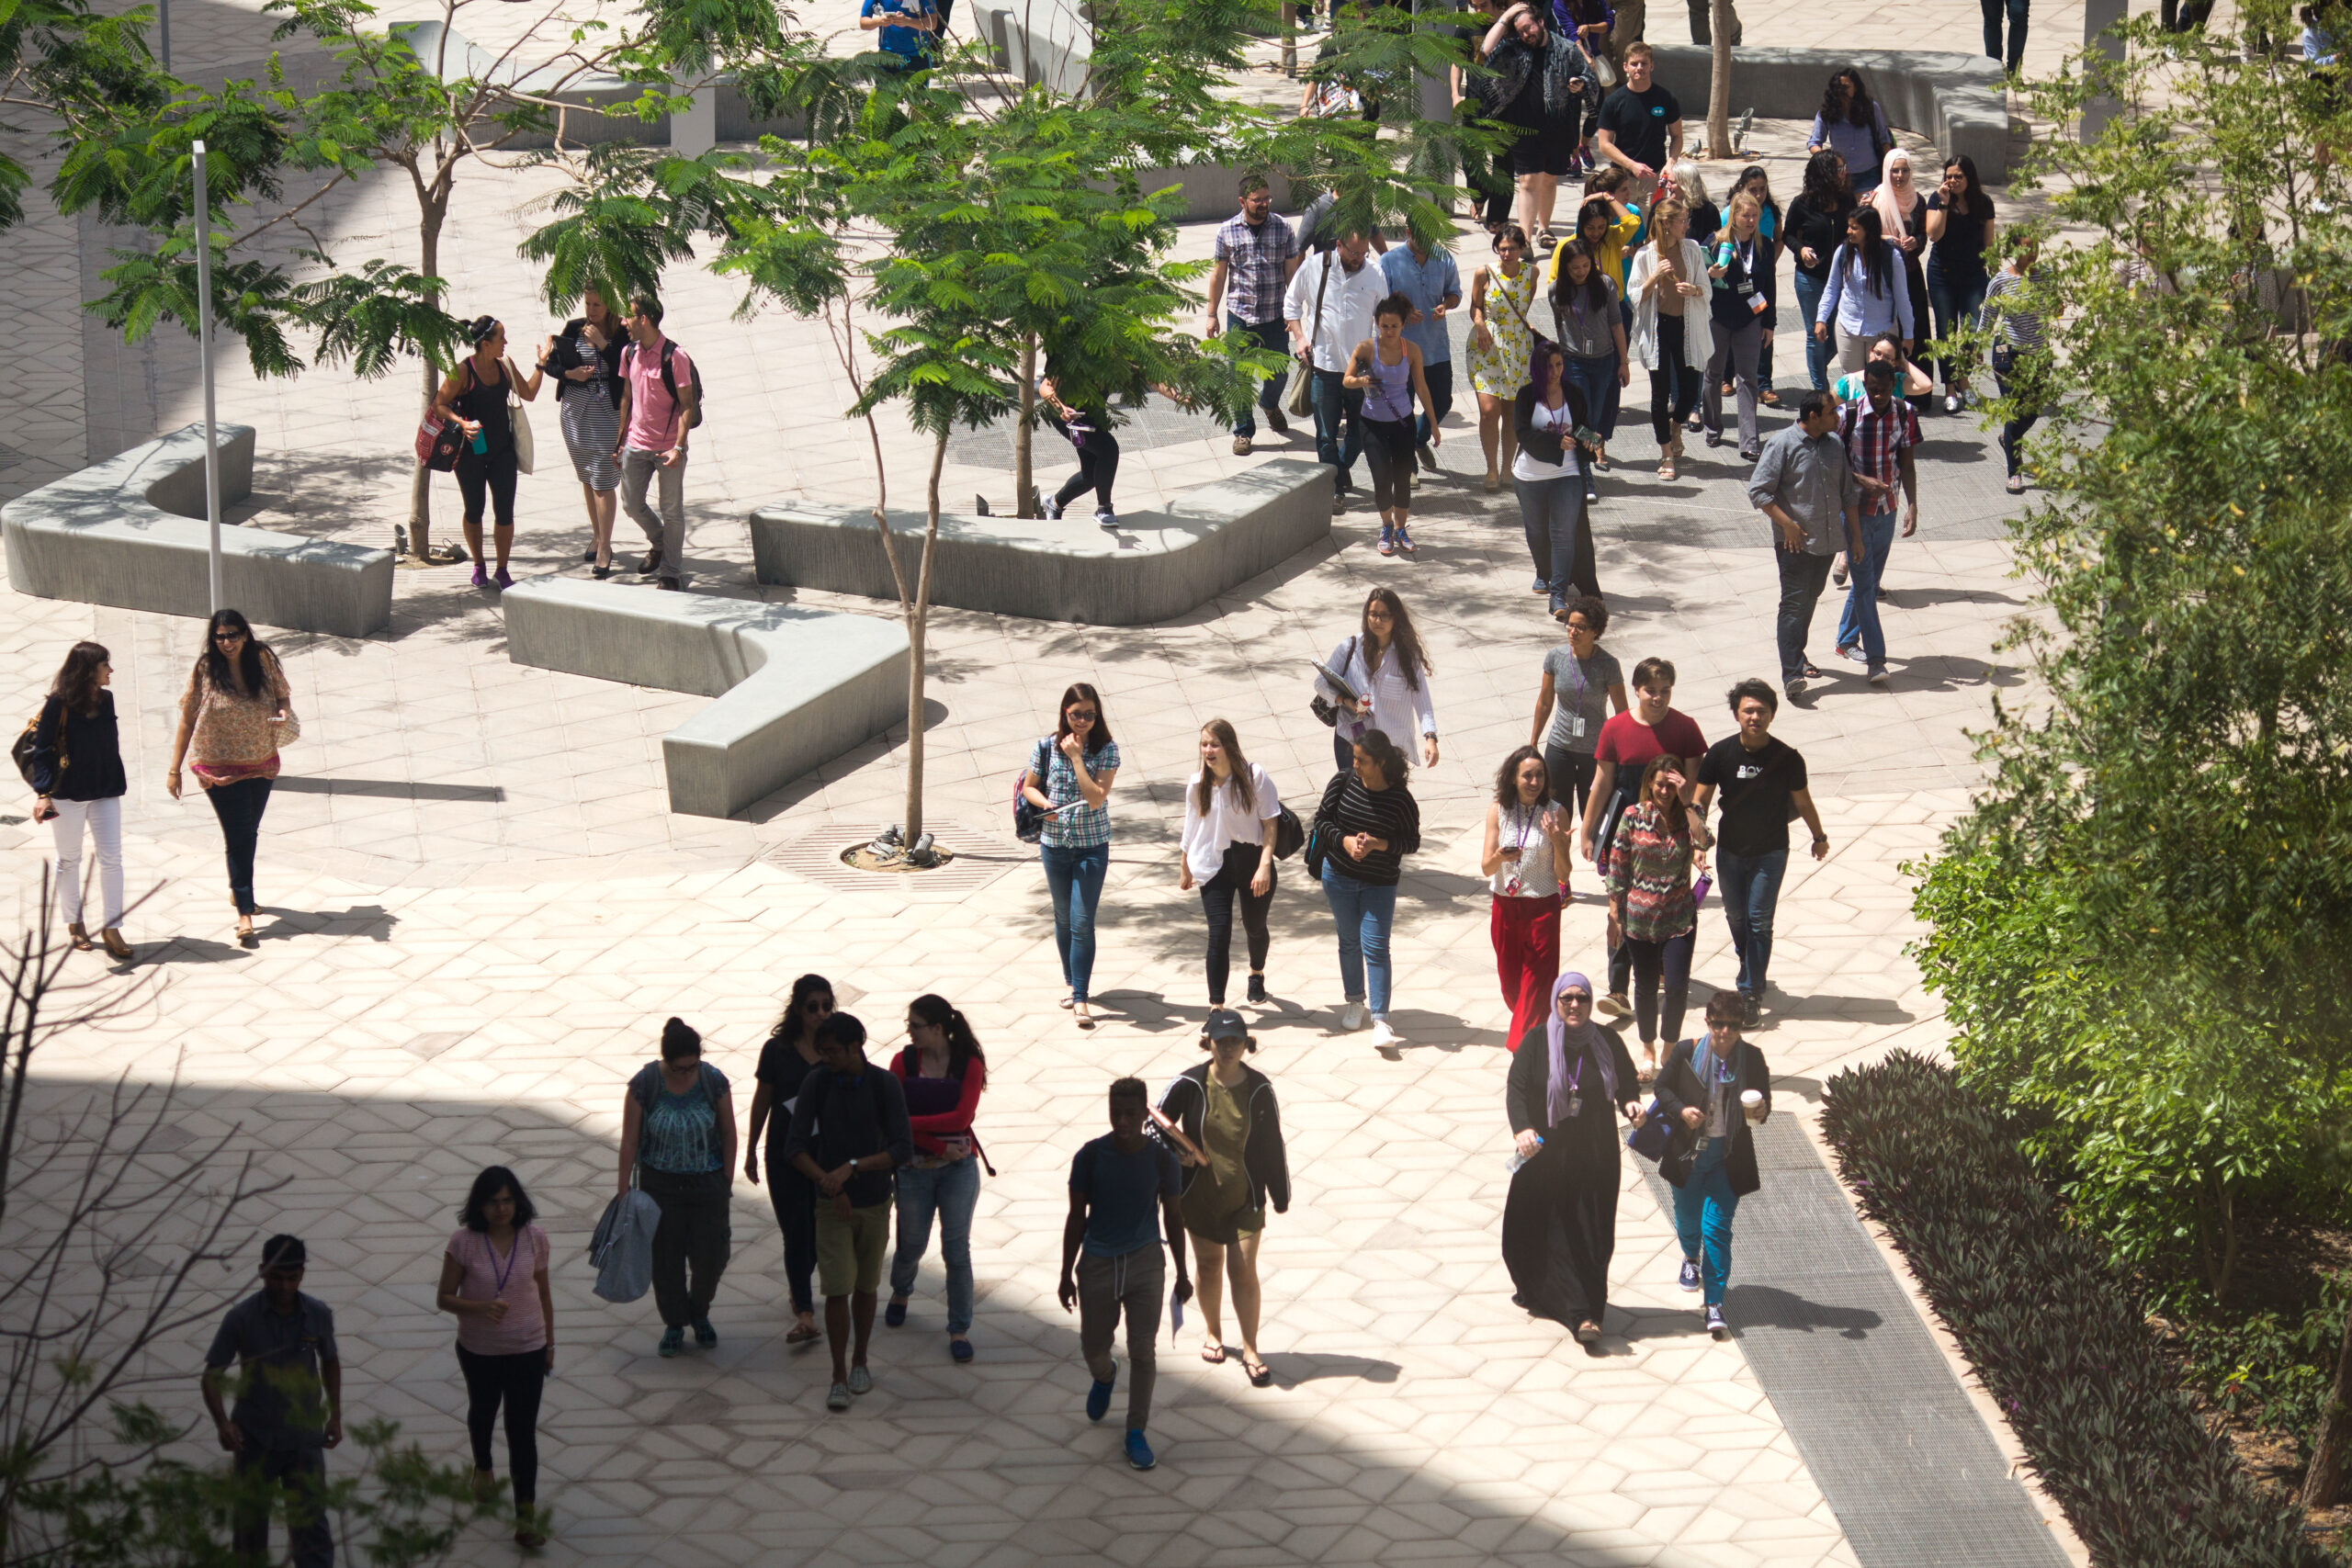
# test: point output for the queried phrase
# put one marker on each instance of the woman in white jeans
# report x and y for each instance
(78, 779)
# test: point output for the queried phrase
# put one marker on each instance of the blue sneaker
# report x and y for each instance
(1715, 1324)
(1139, 1452)
(1098, 1400)
(705, 1335)
(1689, 1277)
(673, 1341)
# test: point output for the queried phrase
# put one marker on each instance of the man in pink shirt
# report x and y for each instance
(653, 425)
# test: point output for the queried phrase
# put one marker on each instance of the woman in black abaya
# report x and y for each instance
(1569, 1081)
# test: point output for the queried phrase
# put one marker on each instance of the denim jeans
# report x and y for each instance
(1751, 890)
(239, 806)
(1803, 577)
(1704, 1207)
(1859, 624)
(1439, 378)
(1954, 306)
(1661, 984)
(1816, 354)
(1337, 407)
(1074, 877)
(1559, 535)
(950, 1191)
(2016, 9)
(1364, 912)
(1271, 335)
(1597, 379)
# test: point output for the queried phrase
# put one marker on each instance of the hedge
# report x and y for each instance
(2057, 1337)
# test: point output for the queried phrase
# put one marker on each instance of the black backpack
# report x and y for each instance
(669, 381)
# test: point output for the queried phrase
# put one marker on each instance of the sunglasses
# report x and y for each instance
(228, 637)
(1083, 715)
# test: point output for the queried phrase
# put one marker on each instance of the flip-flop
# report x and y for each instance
(804, 1334)
(1259, 1375)
(1212, 1354)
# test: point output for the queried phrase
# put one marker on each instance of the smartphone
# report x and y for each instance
(48, 816)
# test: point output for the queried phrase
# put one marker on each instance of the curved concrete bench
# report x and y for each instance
(1156, 565)
(130, 532)
(1956, 101)
(796, 687)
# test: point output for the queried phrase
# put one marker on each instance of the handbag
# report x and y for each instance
(1537, 343)
(1299, 397)
(519, 423)
(1650, 1136)
(21, 753)
(1028, 816)
(1289, 835)
(289, 729)
(438, 442)
(1603, 71)
(1325, 710)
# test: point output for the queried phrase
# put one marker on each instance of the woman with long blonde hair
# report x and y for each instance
(1670, 336)
(1230, 811)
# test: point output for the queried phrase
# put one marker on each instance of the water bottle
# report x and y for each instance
(1518, 1160)
(481, 441)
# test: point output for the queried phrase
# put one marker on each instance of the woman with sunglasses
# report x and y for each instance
(1070, 779)
(235, 713)
(942, 1073)
(789, 1056)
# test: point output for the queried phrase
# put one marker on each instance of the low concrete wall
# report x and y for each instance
(796, 687)
(1956, 101)
(1156, 565)
(130, 532)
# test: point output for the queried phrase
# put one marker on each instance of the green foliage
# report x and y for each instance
(75, 67)
(396, 1509)
(2268, 1369)
(2055, 1333)
(2142, 929)
(632, 211)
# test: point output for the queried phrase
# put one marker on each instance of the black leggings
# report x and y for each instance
(1655, 961)
(1674, 386)
(493, 471)
(516, 1381)
(1388, 447)
(1097, 467)
(793, 1198)
(1217, 894)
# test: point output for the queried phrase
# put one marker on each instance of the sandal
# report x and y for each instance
(80, 938)
(1666, 467)
(1260, 1373)
(804, 1334)
(1212, 1354)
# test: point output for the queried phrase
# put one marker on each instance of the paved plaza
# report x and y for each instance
(477, 911)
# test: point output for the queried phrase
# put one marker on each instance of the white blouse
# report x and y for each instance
(1399, 711)
(1532, 876)
(1208, 834)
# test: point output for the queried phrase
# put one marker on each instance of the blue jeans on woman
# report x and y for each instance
(1074, 877)
(1364, 912)
(1559, 538)
(1955, 305)
(952, 1191)
(1597, 379)
(1704, 1207)
(1858, 624)
(1816, 354)
(1751, 890)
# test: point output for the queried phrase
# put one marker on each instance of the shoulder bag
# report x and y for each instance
(1537, 343)
(438, 442)
(21, 753)
(1299, 397)
(518, 421)
(1028, 816)
(1289, 835)
(1323, 833)
(1325, 710)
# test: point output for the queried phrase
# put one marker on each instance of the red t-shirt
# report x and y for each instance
(1630, 744)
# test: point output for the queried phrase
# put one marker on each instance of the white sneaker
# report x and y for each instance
(1353, 1017)
(1383, 1034)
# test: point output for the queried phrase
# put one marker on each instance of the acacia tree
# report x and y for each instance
(2142, 929)
(413, 101)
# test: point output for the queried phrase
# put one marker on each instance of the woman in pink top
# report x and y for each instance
(943, 1073)
(495, 1280)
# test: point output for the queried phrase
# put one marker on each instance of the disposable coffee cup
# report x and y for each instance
(1752, 1101)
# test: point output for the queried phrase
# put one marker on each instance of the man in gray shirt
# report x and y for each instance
(1803, 483)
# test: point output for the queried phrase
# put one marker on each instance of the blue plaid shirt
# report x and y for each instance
(1082, 826)
(1254, 258)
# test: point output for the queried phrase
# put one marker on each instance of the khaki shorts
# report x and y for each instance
(849, 1251)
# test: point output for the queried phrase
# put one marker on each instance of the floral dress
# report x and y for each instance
(1501, 374)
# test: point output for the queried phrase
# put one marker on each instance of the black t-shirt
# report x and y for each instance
(1754, 787)
(1706, 219)
(782, 1069)
(1638, 121)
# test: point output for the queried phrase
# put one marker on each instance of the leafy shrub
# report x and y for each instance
(2267, 1369)
(2054, 1332)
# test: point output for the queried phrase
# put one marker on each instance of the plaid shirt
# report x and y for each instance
(1082, 826)
(1255, 258)
(1874, 446)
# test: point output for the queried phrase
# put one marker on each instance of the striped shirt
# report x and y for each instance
(2017, 328)
(1388, 814)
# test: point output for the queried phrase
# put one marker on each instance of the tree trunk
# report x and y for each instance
(2322, 1482)
(420, 490)
(1290, 38)
(916, 619)
(1719, 84)
(1024, 432)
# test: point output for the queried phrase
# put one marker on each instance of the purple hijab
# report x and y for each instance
(1555, 1093)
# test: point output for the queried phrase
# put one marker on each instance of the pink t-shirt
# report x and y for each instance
(651, 409)
(484, 1273)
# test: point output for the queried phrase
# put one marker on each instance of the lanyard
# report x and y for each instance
(497, 1275)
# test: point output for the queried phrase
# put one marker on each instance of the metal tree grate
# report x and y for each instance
(981, 858)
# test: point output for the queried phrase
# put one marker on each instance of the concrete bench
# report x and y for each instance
(796, 687)
(1156, 565)
(1956, 101)
(130, 532)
